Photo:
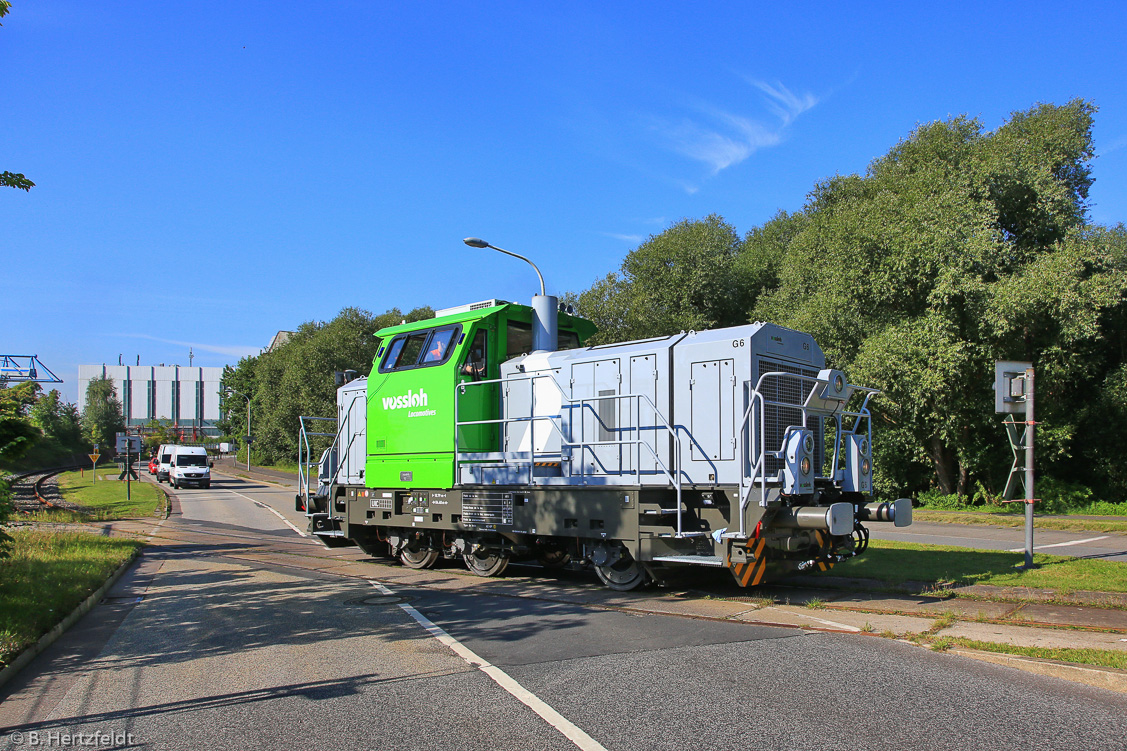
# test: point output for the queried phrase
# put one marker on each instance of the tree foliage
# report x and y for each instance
(102, 418)
(297, 378)
(679, 280)
(956, 248)
(13, 179)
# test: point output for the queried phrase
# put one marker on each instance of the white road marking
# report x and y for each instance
(501, 678)
(1060, 544)
(824, 622)
(272, 511)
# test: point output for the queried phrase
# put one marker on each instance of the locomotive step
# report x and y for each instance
(699, 560)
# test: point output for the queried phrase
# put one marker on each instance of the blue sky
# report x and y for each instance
(209, 173)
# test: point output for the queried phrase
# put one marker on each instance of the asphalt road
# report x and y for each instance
(235, 632)
(1110, 547)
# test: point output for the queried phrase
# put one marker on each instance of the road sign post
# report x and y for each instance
(94, 461)
(128, 443)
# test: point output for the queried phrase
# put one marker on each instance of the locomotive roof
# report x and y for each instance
(427, 323)
(580, 325)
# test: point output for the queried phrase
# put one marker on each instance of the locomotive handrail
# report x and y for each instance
(304, 449)
(757, 470)
(305, 453)
(583, 445)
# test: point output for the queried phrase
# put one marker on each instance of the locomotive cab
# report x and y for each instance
(412, 400)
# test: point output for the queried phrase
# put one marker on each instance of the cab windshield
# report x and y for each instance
(191, 460)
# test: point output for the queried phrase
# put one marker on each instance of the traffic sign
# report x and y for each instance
(94, 457)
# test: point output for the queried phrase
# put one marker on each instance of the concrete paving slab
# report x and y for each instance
(1071, 614)
(916, 604)
(789, 615)
(1027, 636)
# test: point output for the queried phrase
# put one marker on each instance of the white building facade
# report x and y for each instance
(186, 397)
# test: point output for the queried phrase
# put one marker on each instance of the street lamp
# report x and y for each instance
(229, 390)
(545, 335)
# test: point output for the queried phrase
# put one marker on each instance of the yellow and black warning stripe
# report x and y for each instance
(546, 464)
(822, 564)
(750, 574)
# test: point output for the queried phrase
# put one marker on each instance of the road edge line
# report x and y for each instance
(569, 729)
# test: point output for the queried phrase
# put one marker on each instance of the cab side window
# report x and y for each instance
(420, 349)
(438, 346)
(518, 339)
(474, 365)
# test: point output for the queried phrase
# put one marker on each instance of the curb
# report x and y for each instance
(49, 638)
(1111, 679)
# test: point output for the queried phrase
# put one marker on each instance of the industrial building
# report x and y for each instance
(187, 397)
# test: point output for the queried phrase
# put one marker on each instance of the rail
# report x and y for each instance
(35, 479)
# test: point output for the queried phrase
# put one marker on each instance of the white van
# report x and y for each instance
(190, 466)
(164, 460)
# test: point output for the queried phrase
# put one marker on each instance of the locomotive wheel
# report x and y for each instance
(486, 564)
(554, 558)
(417, 556)
(623, 575)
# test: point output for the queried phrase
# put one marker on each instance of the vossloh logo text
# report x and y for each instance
(410, 399)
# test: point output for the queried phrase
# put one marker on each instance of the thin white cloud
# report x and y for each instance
(219, 349)
(624, 238)
(720, 139)
(785, 104)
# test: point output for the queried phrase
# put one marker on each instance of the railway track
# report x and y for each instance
(37, 491)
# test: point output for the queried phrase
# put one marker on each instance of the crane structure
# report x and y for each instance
(25, 369)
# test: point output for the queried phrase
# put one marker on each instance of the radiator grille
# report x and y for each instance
(777, 418)
(487, 508)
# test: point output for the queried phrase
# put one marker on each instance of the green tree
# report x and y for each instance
(297, 378)
(685, 278)
(957, 248)
(102, 419)
(17, 434)
(12, 179)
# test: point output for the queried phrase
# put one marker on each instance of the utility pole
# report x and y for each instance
(249, 437)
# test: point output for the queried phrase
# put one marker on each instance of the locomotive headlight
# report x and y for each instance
(805, 465)
(865, 466)
(839, 383)
(808, 444)
(865, 446)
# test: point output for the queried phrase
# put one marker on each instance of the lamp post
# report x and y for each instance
(545, 334)
(230, 390)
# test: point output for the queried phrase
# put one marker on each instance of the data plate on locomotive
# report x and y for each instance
(487, 509)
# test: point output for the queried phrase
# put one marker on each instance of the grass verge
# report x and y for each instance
(901, 562)
(106, 499)
(46, 575)
(1104, 658)
(998, 519)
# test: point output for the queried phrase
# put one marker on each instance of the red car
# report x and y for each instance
(153, 463)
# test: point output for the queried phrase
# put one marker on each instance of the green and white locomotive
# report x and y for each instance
(491, 433)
